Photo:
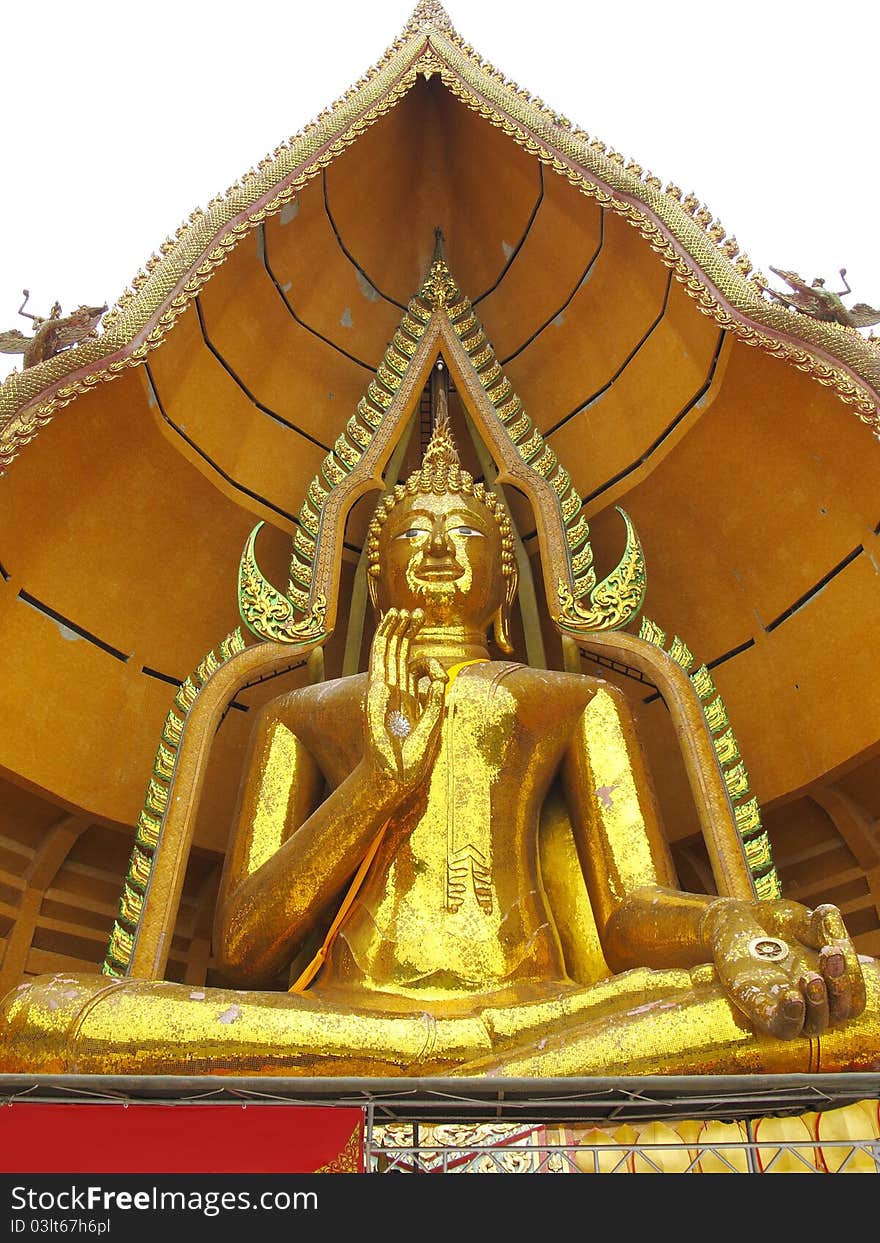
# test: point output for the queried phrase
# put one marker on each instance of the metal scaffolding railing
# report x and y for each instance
(526, 1153)
(648, 1124)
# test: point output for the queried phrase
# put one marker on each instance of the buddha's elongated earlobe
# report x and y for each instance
(501, 630)
(501, 621)
(373, 588)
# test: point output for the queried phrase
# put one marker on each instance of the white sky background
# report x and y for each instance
(120, 118)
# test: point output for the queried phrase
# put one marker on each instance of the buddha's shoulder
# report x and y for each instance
(525, 683)
(323, 699)
(542, 686)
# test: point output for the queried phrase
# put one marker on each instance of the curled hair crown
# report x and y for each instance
(441, 473)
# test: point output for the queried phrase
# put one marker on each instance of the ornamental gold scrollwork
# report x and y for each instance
(439, 288)
(268, 613)
(616, 600)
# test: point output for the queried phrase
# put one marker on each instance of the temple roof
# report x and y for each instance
(679, 228)
(736, 433)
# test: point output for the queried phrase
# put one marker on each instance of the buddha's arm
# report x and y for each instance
(290, 857)
(643, 920)
(289, 854)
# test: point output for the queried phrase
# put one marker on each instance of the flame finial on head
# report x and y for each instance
(441, 452)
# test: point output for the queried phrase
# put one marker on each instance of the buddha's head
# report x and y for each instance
(442, 543)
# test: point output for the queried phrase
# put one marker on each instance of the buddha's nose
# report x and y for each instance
(439, 545)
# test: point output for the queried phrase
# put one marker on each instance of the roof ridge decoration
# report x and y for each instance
(353, 466)
(428, 16)
(683, 232)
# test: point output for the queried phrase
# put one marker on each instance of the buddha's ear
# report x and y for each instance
(501, 622)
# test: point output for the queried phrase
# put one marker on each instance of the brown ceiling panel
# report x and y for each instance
(432, 163)
(323, 289)
(792, 488)
(123, 538)
(862, 785)
(202, 407)
(278, 363)
(104, 715)
(24, 815)
(732, 519)
(586, 344)
(547, 269)
(791, 696)
(802, 830)
(628, 427)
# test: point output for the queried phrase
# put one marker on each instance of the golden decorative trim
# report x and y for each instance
(683, 233)
(349, 1160)
(150, 821)
(614, 602)
(756, 843)
(266, 612)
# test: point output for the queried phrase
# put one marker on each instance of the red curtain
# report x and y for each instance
(74, 1138)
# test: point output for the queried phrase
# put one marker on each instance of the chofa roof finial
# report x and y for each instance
(429, 15)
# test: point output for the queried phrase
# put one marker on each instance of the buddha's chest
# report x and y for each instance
(474, 808)
(456, 892)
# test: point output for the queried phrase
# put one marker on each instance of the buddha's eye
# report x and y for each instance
(463, 530)
(412, 533)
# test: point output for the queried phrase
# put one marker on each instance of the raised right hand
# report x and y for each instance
(402, 731)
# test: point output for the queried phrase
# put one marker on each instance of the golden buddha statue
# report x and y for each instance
(446, 952)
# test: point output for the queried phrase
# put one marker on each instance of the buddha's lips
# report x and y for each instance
(439, 573)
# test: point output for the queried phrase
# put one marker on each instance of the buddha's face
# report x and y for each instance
(442, 554)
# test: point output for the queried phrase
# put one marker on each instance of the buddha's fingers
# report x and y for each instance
(407, 675)
(832, 964)
(822, 930)
(396, 629)
(431, 714)
(419, 747)
(378, 696)
(777, 1010)
(839, 964)
(430, 668)
(816, 999)
(408, 632)
(788, 1019)
(378, 649)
